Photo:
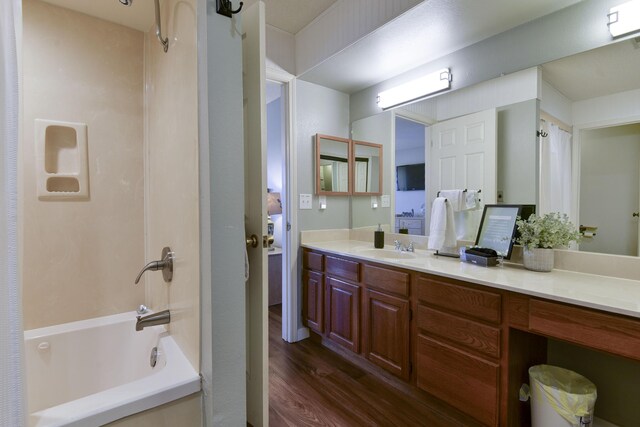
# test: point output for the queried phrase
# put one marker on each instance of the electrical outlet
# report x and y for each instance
(374, 202)
(500, 198)
(322, 200)
(385, 201)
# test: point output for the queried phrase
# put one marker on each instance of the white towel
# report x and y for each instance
(471, 199)
(455, 197)
(442, 230)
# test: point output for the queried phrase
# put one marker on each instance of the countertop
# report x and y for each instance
(621, 296)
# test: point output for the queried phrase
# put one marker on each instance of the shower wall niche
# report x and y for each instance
(61, 160)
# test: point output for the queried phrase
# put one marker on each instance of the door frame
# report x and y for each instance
(290, 307)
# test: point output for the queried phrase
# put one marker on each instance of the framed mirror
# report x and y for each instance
(332, 166)
(367, 168)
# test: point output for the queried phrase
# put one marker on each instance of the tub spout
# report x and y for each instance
(159, 318)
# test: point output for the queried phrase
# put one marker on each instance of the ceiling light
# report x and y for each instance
(624, 19)
(415, 89)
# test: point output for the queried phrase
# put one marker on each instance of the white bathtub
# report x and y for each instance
(96, 371)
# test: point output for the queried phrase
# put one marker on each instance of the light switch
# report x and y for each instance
(306, 201)
(385, 201)
(374, 202)
(323, 202)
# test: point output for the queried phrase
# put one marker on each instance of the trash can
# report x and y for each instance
(560, 397)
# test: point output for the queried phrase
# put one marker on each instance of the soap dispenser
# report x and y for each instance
(378, 238)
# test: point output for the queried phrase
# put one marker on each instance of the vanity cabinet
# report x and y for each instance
(458, 348)
(468, 345)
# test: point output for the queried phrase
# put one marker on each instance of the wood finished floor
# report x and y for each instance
(310, 385)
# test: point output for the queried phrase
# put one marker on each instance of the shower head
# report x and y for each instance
(126, 2)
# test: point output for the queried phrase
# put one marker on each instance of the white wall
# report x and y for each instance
(570, 30)
(280, 50)
(379, 130)
(342, 24)
(606, 108)
(518, 152)
(223, 362)
(553, 102)
(326, 111)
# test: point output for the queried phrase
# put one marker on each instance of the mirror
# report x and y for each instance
(587, 92)
(332, 166)
(367, 168)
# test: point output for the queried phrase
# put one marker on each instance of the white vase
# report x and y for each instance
(538, 259)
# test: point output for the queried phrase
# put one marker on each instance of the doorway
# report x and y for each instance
(276, 185)
(410, 160)
(610, 189)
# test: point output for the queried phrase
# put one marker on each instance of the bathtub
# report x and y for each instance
(96, 371)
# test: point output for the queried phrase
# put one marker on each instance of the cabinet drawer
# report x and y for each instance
(313, 261)
(339, 267)
(475, 336)
(460, 299)
(464, 381)
(603, 331)
(386, 280)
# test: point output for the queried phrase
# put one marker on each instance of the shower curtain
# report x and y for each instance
(555, 170)
(12, 406)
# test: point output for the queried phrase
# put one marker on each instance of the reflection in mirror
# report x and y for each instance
(367, 168)
(332, 165)
(595, 94)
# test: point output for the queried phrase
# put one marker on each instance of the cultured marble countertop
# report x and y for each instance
(621, 296)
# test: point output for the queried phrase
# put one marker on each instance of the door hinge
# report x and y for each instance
(288, 226)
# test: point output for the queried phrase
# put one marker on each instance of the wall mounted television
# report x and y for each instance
(410, 177)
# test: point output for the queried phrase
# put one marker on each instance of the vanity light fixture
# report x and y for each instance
(624, 18)
(415, 89)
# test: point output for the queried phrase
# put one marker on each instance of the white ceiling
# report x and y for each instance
(430, 30)
(603, 71)
(292, 15)
(139, 16)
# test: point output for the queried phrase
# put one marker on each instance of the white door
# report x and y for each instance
(463, 155)
(255, 119)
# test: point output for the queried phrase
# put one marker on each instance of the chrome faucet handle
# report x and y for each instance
(411, 248)
(397, 244)
(165, 264)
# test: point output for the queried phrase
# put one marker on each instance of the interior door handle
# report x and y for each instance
(252, 241)
(636, 214)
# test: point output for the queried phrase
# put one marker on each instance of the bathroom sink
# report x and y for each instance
(387, 254)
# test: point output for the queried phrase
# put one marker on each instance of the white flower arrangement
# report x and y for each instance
(550, 230)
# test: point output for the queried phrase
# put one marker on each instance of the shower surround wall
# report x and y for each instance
(172, 188)
(140, 105)
(80, 256)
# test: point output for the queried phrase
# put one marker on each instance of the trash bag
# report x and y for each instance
(570, 394)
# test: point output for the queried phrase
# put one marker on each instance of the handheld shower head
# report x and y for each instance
(126, 2)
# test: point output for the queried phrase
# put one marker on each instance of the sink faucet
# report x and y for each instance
(165, 264)
(159, 318)
(402, 248)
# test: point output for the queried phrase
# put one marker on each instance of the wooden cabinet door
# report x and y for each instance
(342, 300)
(313, 300)
(386, 332)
